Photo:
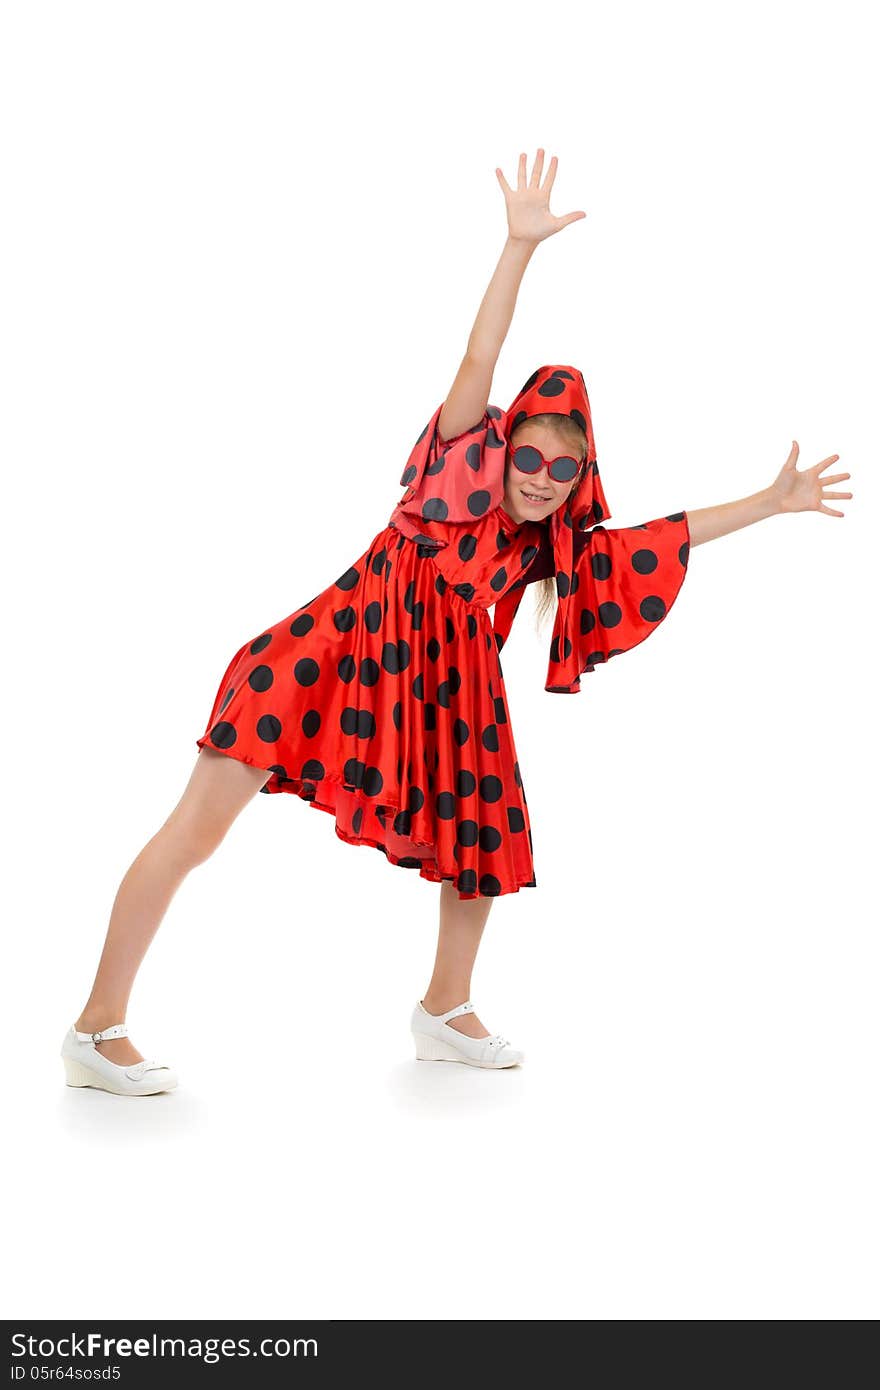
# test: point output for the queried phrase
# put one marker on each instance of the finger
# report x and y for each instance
(551, 175)
(503, 181)
(826, 495)
(817, 467)
(535, 180)
(830, 510)
(569, 217)
(835, 478)
(521, 172)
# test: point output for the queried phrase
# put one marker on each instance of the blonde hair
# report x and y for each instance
(572, 437)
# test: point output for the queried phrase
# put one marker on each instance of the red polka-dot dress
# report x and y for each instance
(382, 701)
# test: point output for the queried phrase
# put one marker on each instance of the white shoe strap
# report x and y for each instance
(118, 1030)
(466, 1008)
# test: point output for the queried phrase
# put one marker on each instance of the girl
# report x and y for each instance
(382, 701)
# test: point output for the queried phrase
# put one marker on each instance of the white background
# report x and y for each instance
(243, 249)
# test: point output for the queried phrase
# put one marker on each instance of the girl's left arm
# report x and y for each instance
(791, 491)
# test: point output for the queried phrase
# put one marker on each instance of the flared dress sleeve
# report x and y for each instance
(622, 583)
(457, 479)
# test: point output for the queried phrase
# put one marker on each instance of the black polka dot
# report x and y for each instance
(306, 671)
(467, 881)
(600, 564)
(372, 781)
(373, 617)
(349, 579)
(260, 643)
(471, 625)
(418, 686)
(353, 772)
(465, 782)
(416, 799)
(261, 678)
(500, 711)
(515, 818)
(430, 713)
(434, 509)
(370, 672)
(490, 886)
(467, 548)
(313, 770)
(467, 832)
(562, 585)
(409, 475)
(440, 584)
(473, 457)
(498, 580)
(347, 669)
(402, 823)
(378, 560)
(433, 649)
(418, 615)
(478, 502)
(490, 738)
(357, 820)
(226, 698)
(652, 609)
(345, 619)
(395, 714)
(359, 723)
(301, 625)
(554, 649)
(528, 555)
(437, 466)
(223, 735)
(490, 788)
(460, 732)
(588, 621)
(610, 614)
(445, 804)
(644, 561)
(450, 629)
(443, 694)
(465, 591)
(311, 723)
(490, 838)
(269, 728)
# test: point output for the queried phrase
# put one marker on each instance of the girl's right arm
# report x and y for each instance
(529, 221)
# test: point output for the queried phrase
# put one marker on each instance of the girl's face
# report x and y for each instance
(535, 496)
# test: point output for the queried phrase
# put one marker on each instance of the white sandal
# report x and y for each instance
(84, 1065)
(437, 1042)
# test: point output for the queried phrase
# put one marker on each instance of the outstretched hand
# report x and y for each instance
(802, 491)
(529, 217)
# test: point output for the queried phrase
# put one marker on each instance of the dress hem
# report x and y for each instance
(297, 786)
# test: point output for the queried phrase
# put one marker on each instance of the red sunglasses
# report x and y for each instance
(528, 459)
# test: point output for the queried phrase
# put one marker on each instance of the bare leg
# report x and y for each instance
(218, 789)
(461, 928)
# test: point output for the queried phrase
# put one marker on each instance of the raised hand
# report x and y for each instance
(802, 490)
(529, 218)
